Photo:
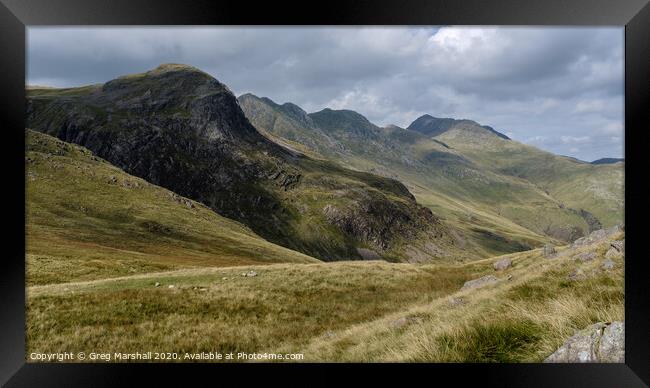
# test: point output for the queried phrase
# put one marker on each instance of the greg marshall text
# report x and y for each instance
(162, 356)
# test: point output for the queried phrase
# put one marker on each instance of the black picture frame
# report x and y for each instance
(16, 15)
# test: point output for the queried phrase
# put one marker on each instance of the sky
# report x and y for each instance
(559, 89)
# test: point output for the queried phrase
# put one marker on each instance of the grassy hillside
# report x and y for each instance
(494, 212)
(597, 188)
(87, 219)
(345, 311)
(528, 313)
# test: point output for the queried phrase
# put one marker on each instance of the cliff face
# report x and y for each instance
(181, 129)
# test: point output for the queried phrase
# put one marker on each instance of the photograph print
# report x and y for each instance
(437, 194)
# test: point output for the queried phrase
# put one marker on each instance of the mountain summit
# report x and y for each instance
(434, 126)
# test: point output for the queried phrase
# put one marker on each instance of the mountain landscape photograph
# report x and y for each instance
(325, 194)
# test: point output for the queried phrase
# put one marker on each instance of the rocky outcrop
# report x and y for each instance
(480, 282)
(597, 236)
(601, 342)
(377, 222)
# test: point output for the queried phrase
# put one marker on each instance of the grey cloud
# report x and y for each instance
(530, 82)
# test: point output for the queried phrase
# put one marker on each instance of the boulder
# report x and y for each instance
(600, 342)
(502, 264)
(580, 347)
(612, 344)
(249, 274)
(548, 250)
(480, 282)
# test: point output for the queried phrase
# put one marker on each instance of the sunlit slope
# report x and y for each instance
(596, 188)
(87, 219)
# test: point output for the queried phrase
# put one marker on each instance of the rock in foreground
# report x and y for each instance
(601, 342)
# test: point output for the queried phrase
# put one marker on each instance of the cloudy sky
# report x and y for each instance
(560, 89)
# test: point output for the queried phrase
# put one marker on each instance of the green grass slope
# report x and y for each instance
(87, 219)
